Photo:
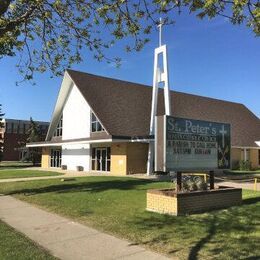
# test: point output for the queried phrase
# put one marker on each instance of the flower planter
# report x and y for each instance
(168, 201)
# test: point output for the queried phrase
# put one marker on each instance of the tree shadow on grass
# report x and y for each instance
(92, 186)
(221, 233)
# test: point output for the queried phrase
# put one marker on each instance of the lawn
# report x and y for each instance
(14, 245)
(14, 165)
(9, 174)
(242, 173)
(117, 206)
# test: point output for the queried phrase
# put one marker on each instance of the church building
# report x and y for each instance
(101, 124)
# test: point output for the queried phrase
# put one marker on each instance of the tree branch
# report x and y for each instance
(14, 23)
(4, 6)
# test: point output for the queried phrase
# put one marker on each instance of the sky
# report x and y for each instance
(211, 58)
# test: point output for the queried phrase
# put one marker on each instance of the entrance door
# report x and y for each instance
(101, 159)
(56, 158)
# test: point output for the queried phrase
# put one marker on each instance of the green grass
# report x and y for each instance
(117, 206)
(14, 246)
(14, 165)
(241, 172)
(9, 174)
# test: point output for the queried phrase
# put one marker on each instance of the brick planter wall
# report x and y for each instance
(168, 202)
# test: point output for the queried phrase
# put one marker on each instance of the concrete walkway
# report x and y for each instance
(243, 185)
(66, 239)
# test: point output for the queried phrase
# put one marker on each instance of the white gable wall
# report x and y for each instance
(76, 124)
(76, 116)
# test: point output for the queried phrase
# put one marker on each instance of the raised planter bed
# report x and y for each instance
(168, 201)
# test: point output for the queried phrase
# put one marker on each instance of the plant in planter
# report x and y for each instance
(192, 183)
(202, 185)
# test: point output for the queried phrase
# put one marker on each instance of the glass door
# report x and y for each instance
(56, 158)
(101, 159)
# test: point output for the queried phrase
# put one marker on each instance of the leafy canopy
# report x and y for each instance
(52, 34)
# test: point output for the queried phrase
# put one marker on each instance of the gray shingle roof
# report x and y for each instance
(124, 108)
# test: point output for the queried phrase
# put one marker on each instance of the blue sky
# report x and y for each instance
(210, 58)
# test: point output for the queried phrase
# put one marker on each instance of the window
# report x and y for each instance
(15, 128)
(9, 128)
(58, 131)
(56, 158)
(95, 124)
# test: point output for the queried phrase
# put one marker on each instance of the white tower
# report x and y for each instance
(160, 76)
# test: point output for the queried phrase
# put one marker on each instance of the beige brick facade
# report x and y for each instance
(45, 157)
(193, 202)
(119, 159)
(128, 158)
(237, 154)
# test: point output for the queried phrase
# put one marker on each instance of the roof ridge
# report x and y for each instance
(150, 86)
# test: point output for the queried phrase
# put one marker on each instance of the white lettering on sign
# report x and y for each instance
(194, 144)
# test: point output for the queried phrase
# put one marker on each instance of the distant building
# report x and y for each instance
(15, 134)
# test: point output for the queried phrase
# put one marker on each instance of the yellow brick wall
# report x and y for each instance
(235, 157)
(45, 158)
(128, 158)
(119, 159)
(136, 157)
(192, 203)
(161, 204)
(254, 158)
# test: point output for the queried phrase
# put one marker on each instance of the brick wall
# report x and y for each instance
(137, 154)
(192, 202)
(160, 203)
(45, 162)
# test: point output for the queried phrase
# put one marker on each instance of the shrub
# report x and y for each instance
(202, 185)
(244, 165)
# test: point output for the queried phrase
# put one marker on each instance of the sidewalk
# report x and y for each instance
(66, 239)
(245, 185)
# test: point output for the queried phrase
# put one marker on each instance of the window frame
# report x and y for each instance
(95, 124)
(59, 128)
(94, 160)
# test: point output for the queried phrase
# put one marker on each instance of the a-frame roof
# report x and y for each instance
(124, 108)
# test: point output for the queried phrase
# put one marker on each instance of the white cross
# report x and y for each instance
(223, 132)
(160, 31)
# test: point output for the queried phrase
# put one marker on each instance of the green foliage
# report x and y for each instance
(193, 183)
(244, 165)
(34, 135)
(53, 34)
(1, 133)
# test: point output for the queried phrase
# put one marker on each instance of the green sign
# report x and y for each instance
(196, 145)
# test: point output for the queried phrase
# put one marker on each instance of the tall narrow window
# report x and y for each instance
(95, 124)
(58, 131)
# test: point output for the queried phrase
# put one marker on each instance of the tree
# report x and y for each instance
(1, 133)
(52, 34)
(34, 135)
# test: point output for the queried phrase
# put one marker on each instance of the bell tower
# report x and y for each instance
(160, 79)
